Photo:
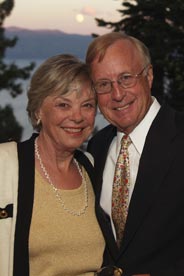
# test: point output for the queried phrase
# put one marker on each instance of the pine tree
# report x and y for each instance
(7, 119)
(10, 79)
(160, 25)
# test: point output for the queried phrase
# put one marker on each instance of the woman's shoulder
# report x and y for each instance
(8, 148)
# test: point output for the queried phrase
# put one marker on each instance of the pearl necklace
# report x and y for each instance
(56, 191)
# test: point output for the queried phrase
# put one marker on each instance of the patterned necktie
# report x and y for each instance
(120, 190)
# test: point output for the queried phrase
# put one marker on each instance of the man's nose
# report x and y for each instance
(117, 93)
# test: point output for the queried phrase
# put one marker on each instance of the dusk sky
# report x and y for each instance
(70, 16)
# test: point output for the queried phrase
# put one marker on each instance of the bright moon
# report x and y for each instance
(79, 17)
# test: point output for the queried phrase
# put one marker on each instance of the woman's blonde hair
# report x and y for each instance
(54, 76)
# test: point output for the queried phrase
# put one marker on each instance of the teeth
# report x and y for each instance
(121, 108)
(75, 130)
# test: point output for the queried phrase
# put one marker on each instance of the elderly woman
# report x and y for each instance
(48, 224)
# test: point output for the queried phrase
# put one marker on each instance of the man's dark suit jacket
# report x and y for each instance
(154, 233)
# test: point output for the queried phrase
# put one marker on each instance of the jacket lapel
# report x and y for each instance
(100, 152)
(25, 204)
(154, 163)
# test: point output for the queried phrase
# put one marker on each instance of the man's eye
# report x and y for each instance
(103, 84)
(125, 77)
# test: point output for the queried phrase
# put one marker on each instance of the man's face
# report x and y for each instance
(123, 107)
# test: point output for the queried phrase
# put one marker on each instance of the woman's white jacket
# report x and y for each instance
(17, 167)
(8, 205)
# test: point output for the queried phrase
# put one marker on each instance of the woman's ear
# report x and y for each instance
(38, 117)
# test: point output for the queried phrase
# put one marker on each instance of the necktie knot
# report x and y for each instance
(125, 142)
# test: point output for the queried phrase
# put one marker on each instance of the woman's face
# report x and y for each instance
(68, 120)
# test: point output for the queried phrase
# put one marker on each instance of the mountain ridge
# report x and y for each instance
(43, 43)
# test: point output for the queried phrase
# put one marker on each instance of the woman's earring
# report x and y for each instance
(38, 121)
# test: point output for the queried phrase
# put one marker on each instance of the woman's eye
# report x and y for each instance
(89, 105)
(62, 105)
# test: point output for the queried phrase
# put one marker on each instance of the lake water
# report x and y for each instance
(20, 102)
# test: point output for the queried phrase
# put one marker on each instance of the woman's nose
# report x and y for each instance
(77, 115)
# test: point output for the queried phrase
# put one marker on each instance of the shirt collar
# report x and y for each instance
(138, 135)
